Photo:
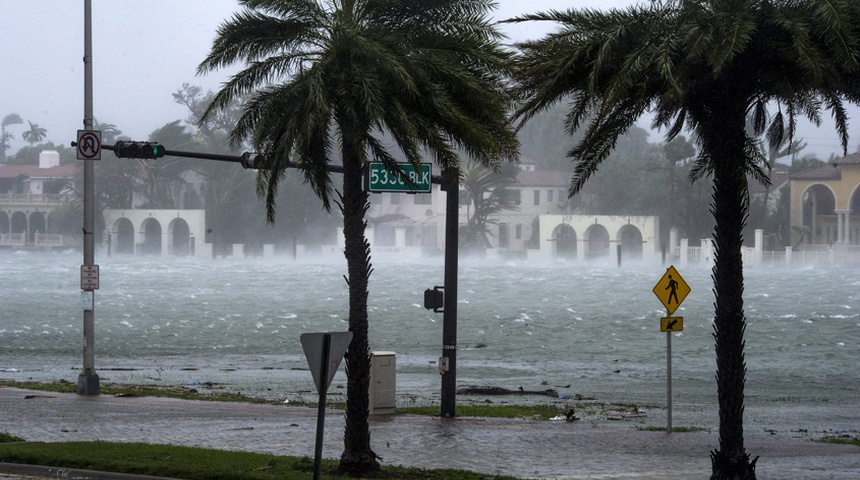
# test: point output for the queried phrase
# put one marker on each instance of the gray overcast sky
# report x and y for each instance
(145, 50)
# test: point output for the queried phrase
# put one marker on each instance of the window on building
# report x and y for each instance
(519, 231)
(537, 197)
(503, 235)
(549, 196)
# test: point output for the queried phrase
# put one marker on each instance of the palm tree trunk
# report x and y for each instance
(730, 208)
(357, 457)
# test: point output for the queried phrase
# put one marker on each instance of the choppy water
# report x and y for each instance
(236, 323)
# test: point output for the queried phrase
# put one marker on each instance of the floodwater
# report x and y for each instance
(586, 330)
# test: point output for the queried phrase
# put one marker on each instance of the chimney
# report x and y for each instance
(49, 158)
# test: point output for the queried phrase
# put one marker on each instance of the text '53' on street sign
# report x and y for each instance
(314, 345)
(671, 289)
(381, 179)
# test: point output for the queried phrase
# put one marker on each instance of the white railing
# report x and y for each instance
(13, 239)
(48, 240)
(800, 256)
(32, 199)
(40, 240)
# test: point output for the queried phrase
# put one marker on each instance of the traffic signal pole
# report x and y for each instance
(449, 312)
(88, 380)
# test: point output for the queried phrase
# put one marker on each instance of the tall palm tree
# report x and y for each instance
(110, 132)
(701, 65)
(35, 134)
(489, 195)
(324, 80)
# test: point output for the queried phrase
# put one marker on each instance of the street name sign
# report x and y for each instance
(381, 179)
(671, 289)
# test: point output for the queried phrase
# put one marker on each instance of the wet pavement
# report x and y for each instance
(528, 449)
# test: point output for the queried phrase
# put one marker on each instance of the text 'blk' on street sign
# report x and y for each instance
(381, 179)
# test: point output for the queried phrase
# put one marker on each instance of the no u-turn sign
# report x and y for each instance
(89, 145)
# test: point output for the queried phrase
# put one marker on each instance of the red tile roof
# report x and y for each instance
(853, 159)
(823, 172)
(14, 171)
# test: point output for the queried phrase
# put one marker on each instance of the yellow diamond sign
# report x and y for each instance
(671, 289)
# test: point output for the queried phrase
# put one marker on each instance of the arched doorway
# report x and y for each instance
(820, 224)
(4, 223)
(38, 224)
(597, 239)
(854, 217)
(181, 237)
(151, 237)
(565, 241)
(631, 242)
(19, 222)
(124, 236)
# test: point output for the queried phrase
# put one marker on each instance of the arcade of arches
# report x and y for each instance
(155, 232)
(588, 237)
(25, 216)
(825, 203)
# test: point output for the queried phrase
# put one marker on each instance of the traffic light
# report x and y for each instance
(138, 150)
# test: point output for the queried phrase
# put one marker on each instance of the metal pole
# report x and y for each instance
(669, 382)
(326, 353)
(88, 380)
(449, 313)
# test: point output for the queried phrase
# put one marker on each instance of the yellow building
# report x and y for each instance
(825, 203)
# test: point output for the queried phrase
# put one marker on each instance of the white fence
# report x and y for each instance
(800, 256)
(40, 240)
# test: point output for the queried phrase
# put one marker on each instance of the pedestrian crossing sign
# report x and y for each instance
(671, 289)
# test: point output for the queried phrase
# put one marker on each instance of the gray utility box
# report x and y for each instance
(383, 392)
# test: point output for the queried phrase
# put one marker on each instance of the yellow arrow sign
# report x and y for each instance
(671, 289)
(671, 324)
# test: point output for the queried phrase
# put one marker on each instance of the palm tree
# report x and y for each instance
(489, 195)
(325, 79)
(5, 137)
(109, 132)
(34, 135)
(702, 65)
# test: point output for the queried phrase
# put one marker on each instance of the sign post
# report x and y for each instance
(89, 150)
(324, 351)
(671, 289)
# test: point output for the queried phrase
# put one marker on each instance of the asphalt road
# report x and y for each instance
(526, 449)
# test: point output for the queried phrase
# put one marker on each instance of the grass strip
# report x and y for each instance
(198, 463)
(844, 439)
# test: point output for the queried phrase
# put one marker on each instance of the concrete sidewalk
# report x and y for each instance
(526, 449)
